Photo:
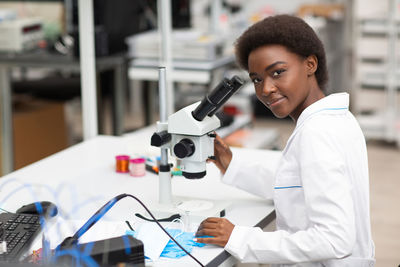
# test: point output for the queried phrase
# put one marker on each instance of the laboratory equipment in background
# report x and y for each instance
(187, 44)
(20, 34)
(7, 14)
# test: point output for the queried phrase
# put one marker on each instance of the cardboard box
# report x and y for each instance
(39, 129)
(323, 10)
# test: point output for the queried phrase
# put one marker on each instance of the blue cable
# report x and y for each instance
(100, 213)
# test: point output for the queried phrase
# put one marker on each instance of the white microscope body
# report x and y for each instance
(189, 136)
(192, 141)
(188, 133)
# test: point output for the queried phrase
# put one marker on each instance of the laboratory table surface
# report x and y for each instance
(80, 179)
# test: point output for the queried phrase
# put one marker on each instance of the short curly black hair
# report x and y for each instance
(292, 32)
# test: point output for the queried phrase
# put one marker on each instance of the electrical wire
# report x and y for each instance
(129, 225)
(169, 219)
(162, 228)
(103, 210)
(5, 210)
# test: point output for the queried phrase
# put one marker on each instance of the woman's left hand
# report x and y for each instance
(219, 228)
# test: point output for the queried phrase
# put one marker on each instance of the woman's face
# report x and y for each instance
(284, 81)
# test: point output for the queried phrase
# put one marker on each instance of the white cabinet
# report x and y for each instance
(376, 57)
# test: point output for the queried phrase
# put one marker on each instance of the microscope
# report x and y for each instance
(189, 132)
(188, 135)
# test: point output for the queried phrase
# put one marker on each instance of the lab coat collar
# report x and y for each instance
(334, 103)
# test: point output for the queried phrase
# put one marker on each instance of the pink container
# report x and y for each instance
(138, 167)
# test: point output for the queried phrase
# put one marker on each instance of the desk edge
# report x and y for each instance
(224, 255)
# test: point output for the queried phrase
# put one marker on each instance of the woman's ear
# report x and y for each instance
(312, 64)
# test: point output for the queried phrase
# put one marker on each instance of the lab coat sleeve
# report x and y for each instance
(250, 176)
(329, 211)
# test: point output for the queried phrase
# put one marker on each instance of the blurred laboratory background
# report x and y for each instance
(45, 106)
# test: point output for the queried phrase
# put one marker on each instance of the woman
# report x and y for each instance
(321, 187)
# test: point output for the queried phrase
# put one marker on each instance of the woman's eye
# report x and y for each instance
(278, 72)
(256, 80)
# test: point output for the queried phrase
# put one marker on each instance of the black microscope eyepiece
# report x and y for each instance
(217, 97)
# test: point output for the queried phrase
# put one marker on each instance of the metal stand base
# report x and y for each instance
(192, 211)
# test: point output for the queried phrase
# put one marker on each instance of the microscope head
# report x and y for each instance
(191, 129)
(191, 140)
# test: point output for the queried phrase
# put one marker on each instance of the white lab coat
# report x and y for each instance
(320, 192)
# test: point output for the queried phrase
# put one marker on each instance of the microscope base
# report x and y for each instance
(192, 211)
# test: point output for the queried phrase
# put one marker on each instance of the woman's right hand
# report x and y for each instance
(222, 153)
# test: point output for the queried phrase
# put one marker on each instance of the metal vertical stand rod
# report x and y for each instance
(6, 136)
(166, 93)
(68, 11)
(88, 68)
(216, 8)
(165, 30)
(165, 191)
(162, 99)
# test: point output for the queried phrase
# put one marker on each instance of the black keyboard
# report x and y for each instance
(19, 231)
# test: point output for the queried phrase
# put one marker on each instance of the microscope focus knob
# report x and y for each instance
(184, 148)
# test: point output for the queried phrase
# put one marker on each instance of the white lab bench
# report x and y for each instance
(80, 179)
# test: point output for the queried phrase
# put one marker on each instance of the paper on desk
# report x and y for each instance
(61, 228)
(154, 239)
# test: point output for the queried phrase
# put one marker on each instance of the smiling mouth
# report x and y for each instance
(274, 101)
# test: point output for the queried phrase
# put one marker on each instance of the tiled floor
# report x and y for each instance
(384, 164)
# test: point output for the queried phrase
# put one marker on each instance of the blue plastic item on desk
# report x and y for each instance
(185, 239)
(172, 250)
